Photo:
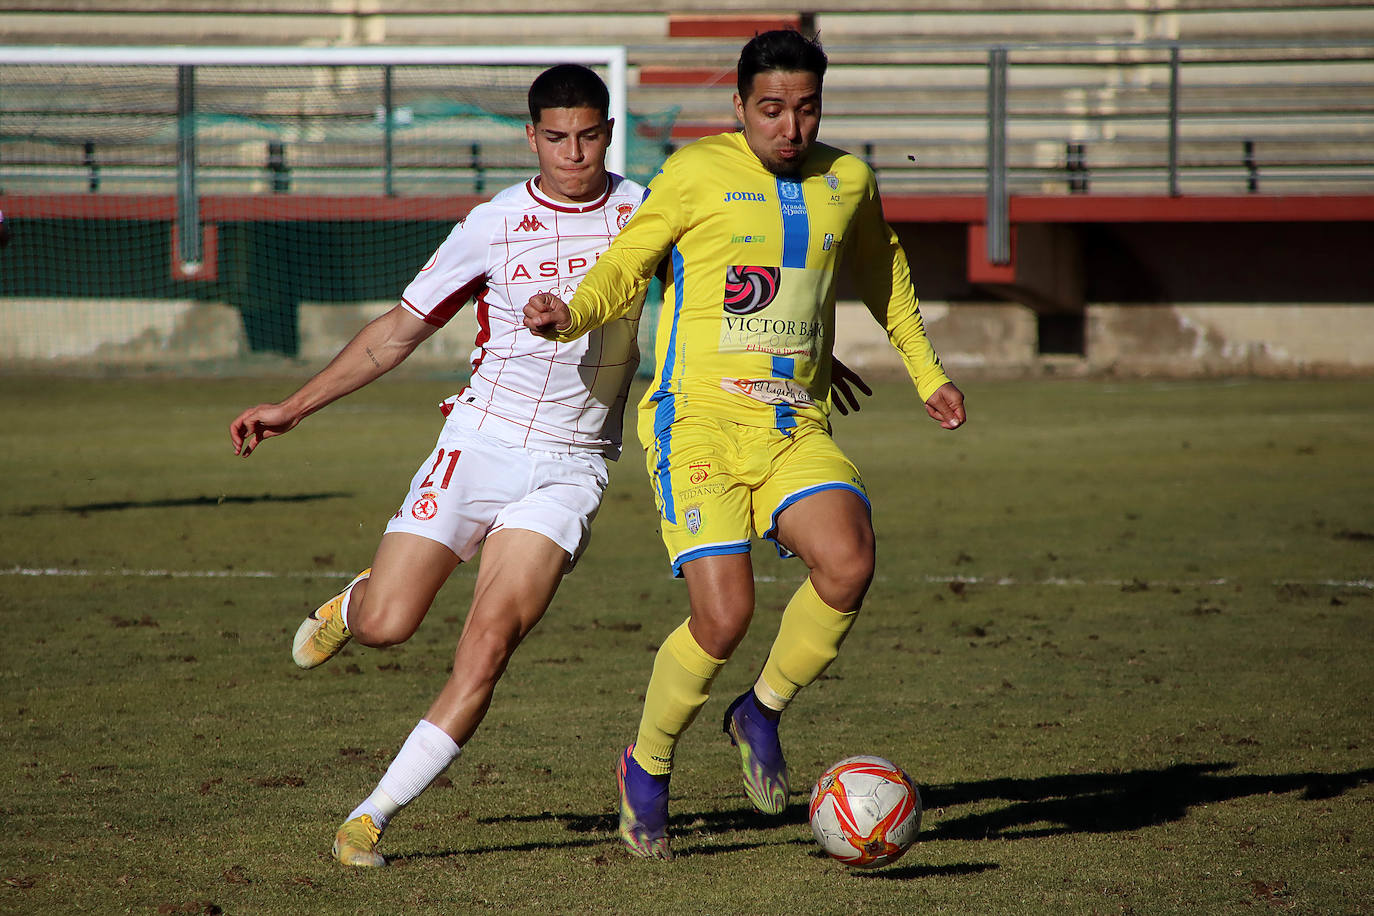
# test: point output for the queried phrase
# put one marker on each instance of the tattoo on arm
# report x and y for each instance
(372, 356)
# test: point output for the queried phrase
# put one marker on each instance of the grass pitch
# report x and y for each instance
(1121, 636)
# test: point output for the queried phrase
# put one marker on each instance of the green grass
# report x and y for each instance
(1121, 635)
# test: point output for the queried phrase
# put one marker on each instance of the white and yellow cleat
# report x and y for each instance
(356, 843)
(321, 635)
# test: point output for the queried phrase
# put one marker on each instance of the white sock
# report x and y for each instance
(348, 599)
(427, 752)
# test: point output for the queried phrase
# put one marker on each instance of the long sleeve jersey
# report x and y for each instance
(748, 321)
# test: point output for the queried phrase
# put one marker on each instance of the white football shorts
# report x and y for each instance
(473, 485)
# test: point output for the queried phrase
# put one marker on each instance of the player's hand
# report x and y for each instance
(258, 423)
(546, 313)
(947, 406)
(841, 377)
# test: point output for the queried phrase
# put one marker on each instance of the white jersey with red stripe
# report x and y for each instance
(526, 390)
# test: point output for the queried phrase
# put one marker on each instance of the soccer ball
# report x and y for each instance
(865, 811)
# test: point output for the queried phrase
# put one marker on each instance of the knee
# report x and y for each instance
(843, 572)
(377, 628)
(719, 628)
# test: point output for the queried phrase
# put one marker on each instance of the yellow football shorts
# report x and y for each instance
(717, 482)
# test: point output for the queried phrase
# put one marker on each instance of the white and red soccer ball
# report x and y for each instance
(865, 811)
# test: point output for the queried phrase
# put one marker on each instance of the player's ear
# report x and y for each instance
(739, 108)
(529, 135)
(610, 130)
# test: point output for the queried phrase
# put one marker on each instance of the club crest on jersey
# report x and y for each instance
(530, 223)
(693, 518)
(750, 289)
(623, 214)
(832, 181)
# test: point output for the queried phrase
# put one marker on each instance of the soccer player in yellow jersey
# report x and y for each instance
(735, 425)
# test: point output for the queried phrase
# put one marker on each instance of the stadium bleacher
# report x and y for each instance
(1169, 110)
(1285, 87)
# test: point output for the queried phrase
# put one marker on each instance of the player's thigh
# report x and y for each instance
(517, 577)
(704, 505)
(829, 528)
(407, 572)
(814, 499)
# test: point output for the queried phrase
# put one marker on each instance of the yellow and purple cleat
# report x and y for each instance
(356, 843)
(321, 635)
(643, 809)
(761, 759)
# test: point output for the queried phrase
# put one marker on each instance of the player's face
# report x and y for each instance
(781, 117)
(571, 145)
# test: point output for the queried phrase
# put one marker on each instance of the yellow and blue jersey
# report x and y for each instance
(748, 321)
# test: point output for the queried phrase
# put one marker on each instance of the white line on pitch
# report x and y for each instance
(998, 581)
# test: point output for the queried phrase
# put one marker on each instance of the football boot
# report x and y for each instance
(321, 635)
(764, 768)
(643, 809)
(356, 843)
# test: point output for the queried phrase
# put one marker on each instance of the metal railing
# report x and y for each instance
(1144, 117)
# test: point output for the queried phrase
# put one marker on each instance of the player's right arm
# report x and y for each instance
(619, 277)
(377, 349)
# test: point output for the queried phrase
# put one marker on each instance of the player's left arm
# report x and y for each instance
(883, 276)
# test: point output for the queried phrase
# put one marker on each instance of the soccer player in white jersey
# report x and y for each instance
(520, 464)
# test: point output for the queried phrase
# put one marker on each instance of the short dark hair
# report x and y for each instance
(568, 86)
(785, 50)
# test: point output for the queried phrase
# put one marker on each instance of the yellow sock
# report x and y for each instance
(808, 640)
(681, 682)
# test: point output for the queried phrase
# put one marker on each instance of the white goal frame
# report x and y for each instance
(189, 247)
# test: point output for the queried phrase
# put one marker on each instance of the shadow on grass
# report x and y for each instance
(744, 818)
(180, 503)
(485, 850)
(1039, 807)
(912, 872)
(1112, 802)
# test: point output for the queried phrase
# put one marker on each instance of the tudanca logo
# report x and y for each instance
(530, 224)
(745, 195)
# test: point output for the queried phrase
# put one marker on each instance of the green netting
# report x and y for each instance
(97, 272)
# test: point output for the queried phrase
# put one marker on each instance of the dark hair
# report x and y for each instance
(785, 50)
(568, 86)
